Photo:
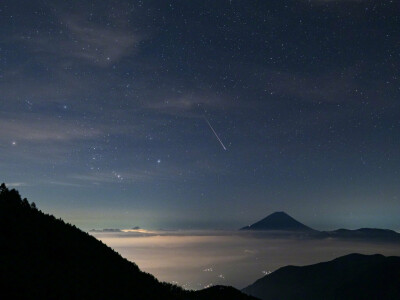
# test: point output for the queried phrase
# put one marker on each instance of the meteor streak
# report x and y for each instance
(216, 135)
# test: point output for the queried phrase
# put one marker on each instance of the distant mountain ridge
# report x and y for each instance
(106, 230)
(353, 276)
(278, 221)
(281, 223)
(364, 233)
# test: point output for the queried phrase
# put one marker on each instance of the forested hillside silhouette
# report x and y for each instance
(42, 257)
(349, 277)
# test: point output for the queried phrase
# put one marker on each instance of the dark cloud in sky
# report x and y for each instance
(102, 109)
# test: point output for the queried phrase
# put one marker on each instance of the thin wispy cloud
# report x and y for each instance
(16, 184)
(44, 129)
(187, 105)
(97, 44)
(114, 177)
(333, 87)
(85, 41)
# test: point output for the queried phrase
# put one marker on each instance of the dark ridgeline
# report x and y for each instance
(372, 234)
(353, 276)
(229, 293)
(42, 257)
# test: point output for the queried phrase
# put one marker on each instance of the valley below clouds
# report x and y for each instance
(197, 259)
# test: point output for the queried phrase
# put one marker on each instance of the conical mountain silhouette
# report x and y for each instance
(278, 221)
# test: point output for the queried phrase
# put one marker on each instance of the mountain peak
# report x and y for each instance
(280, 214)
(278, 221)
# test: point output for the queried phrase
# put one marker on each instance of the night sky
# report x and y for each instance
(111, 111)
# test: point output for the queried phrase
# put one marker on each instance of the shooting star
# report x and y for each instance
(216, 135)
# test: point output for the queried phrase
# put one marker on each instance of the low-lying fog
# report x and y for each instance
(195, 260)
